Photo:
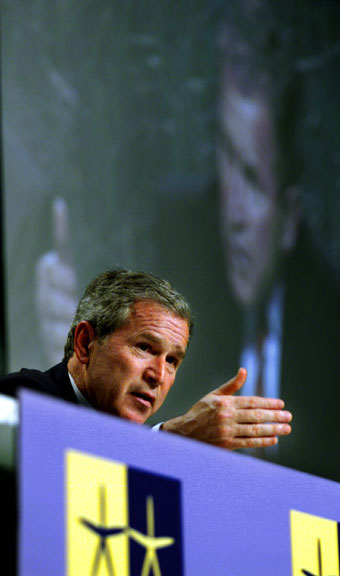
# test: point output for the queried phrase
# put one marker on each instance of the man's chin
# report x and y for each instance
(136, 418)
(136, 414)
(133, 410)
(243, 294)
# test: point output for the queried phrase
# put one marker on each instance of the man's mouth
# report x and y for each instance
(146, 398)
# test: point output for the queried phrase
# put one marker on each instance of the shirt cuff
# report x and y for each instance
(156, 427)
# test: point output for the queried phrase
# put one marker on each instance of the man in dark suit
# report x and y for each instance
(124, 348)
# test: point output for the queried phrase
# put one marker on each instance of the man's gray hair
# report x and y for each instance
(108, 299)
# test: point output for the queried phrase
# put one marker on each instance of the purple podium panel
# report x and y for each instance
(102, 496)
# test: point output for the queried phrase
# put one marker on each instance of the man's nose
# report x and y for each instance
(155, 371)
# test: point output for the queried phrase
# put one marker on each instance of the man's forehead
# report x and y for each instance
(148, 317)
(148, 305)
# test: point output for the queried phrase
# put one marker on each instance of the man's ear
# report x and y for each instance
(84, 334)
(291, 218)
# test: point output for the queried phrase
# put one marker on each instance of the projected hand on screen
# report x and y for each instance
(233, 422)
(56, 287)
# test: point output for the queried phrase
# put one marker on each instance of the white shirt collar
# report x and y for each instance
(80, 396)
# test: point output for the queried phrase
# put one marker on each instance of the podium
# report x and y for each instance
(102, 496)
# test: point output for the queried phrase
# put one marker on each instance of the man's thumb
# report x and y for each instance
(234, 384)
(60, 228)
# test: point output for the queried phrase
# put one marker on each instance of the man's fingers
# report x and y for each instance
(258, 402)
(60, 227)
(260, 416)
(241, 443)
(52, 273)
(234, 384)
(261, 430)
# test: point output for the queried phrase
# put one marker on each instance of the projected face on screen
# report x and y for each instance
(253, 218)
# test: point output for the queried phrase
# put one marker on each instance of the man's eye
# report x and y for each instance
(172, 360)
(144, 346)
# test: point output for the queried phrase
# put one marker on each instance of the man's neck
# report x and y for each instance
(75, 370)
(80, 397)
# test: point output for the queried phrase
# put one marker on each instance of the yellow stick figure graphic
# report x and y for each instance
(103, 532)
(320, 572)
(150, 542)
(315, 545)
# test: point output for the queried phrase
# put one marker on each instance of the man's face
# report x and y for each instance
(130, 373)
(251, 218)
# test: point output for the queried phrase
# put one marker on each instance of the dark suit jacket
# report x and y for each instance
(54, 382)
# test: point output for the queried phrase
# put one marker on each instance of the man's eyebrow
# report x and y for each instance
(180, 352)
(157, 340)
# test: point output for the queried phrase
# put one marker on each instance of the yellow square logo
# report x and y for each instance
(120, 520)
(315, 545)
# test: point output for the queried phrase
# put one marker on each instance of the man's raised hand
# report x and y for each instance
(56, 288)
(233, 422)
